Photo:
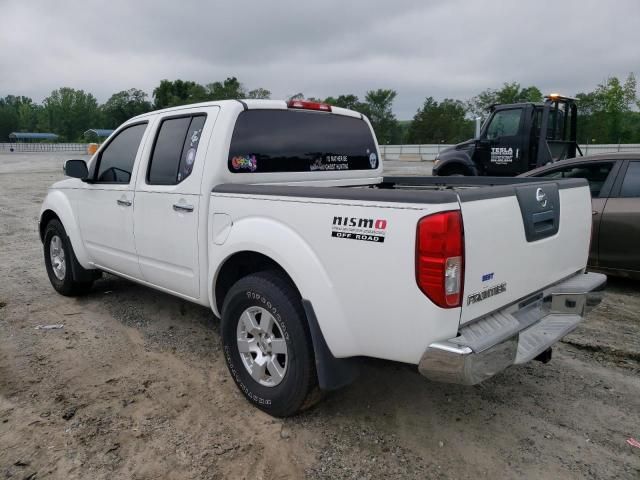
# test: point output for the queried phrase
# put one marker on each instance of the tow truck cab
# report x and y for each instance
(510, 142)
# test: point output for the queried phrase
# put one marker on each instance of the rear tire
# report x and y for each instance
(60, 261)
(267, 345)
(454, 172)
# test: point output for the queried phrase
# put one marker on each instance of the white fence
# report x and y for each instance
(43, 147)
(428, 152)
(425, 152)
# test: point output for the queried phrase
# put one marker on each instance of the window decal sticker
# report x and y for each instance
(195, 137)
(373, 160)
(245, 162)
(331, 162)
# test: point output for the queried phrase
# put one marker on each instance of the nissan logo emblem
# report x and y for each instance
(541, 197)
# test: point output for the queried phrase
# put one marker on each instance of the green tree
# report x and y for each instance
(231, 88)
(17, 114)
(378, 107)
(509, 93)
(346, 101)
(124, 105)
(69, 112)
(606, 115)
(442, 122)
(8, 119)
(262, 93)
(178, 92)
(28, 113)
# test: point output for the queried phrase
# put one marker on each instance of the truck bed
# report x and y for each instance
(514, 248)
(403, 189)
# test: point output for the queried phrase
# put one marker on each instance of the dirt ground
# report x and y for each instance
(135, 387)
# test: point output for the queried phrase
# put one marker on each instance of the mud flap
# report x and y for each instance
(333, 373)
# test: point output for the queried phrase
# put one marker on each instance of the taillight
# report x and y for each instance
(307, 105)
(440, 258)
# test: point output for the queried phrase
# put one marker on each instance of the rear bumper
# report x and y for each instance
(515, 335)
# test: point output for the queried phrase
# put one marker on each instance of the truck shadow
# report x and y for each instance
(624, 285)
(394, 394)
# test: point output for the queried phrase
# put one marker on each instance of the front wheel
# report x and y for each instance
(59, 260)
(267, 345)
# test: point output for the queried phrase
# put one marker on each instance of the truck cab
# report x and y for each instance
(510, 142)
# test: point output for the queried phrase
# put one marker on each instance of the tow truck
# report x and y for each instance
(510, 141)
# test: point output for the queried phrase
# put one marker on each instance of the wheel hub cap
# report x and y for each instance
(56, 254)
(262, 346)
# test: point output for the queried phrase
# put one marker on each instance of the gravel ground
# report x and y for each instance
(135, 386)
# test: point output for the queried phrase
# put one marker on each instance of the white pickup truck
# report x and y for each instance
(277, 216)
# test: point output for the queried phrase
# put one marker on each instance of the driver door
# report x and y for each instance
(105, 206)
(501, 146)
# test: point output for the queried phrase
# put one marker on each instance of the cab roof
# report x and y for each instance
(247, 104)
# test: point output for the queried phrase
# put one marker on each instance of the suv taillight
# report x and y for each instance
(440, 258)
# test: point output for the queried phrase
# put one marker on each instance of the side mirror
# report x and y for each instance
(478, 127)
(76, 169)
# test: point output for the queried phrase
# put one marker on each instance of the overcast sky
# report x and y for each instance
(449, 48)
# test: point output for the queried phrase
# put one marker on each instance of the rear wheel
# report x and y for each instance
(60, 261)
(454, 172)
(267, 344)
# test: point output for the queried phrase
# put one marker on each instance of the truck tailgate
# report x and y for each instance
(520, 239)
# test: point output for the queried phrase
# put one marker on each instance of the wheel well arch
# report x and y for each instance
(332, 372)
(45, 218)
(455, 167)
(239, 265)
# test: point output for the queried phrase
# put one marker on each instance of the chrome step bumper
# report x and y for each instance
(515, 335)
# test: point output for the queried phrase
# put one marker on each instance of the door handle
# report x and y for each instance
(182, 207)
(124, 203)
(594, 212)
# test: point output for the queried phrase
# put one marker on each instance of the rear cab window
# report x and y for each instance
(267, 141)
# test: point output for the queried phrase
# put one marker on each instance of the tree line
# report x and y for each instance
(608, 114)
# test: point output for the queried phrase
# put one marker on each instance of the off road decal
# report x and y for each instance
(356, 228)
(487, 293)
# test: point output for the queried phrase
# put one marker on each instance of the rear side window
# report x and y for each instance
(299, 141)
(631, 183)
(116, 160)
(174, 151)
(595, 173)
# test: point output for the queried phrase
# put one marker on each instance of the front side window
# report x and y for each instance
(505, 123)
(300, 141)
(116, 160)
(631, 183)
(595, 173)
(174, 152)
